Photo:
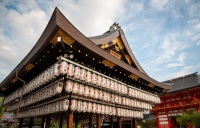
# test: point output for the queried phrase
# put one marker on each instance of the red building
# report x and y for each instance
(183, 96)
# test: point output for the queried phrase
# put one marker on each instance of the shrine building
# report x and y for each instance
(183, 96)
(72, 79)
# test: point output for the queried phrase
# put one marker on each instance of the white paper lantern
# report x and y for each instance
(104, 94)
(70, 70)
(115, 86)
(112, 97)
(83, 74)
(96, 93)
(84, 105)
(69, 85)
(119, 100)
(112, 85)
(91, 92)
(100, 95)
(114, 111)
(86, 91)
(81, 89)
(94, 107)
(75, 88)
(88, 77)
(98, 80)
(106, 109)
(118, 112)
(79, 106)
(94, 78)
(56, 70)
(108, 83)
(73, 105)
(77, 72)
(103, 109)
(63, 67)
(116, 99)
(98, 108)
(59, 87)
(65, 105)
(119, 88)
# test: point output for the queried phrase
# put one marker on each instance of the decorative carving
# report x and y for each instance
(64, 37)
(118, 42)
(151, 85)
(128, 59)
(29, 67)
(113, 53)
(134, 76)
(13, 80)
(108, 63)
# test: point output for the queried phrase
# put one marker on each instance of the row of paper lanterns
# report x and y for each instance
(52, 90)
(84, 75)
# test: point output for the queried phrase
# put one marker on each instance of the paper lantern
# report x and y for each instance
(79, 106)
(115, 86)
(112, 85)
(56, 71)
(94, 107)
(103, 109)
(75, 88)
(63, 67)
(89, 107)
(116, 99)
(91, 92)
(59, 87)
(83, 74)
(73, 105)
(100, 95)
(77, 72)
(88, 77)
(65, 105)
(81, 89)
(119, 100)
(98, 108)
(70, 70)
(98, 80)
(107, 83)
(94, 78)
(96, 93)
(84, 106)
(69, 85)
(86, 91)
(118, 112)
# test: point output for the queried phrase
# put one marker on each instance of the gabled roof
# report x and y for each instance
(43, 46)
(114, 32)
(184, 82)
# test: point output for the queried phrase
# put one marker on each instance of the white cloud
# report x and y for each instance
(159, 4)
(179, 62)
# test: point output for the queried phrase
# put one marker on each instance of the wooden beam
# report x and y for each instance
(48, 121)
(70, 120)
(99, 120)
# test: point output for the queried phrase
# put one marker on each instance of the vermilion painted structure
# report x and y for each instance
(183, 96)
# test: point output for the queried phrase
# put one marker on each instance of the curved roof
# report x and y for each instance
(114, 32)
(58, 21)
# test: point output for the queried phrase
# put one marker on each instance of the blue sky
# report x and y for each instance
(164, 35)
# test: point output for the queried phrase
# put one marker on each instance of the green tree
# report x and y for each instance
(147, 123)
(3, 108)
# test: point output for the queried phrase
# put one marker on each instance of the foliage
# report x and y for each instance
(147, 123)
(190, 117)
(3, 108)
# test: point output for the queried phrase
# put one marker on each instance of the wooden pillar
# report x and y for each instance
(99, 120)
(61, 120)
(111, 122)
(30, 122)
(119, 122)
(70, 121)
(48, 121)
(43, 120)
(90, 120)
(134, 123)
(21, 122)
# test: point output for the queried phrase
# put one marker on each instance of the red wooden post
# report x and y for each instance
(120, 122)
(70, 121)
(99, 120)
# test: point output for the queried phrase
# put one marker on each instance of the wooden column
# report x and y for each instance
(111, 122)
(134, 123)
(99, 120)
(21, 122)
(61, 120)
(70, 121)
(30, 122)
(43, 121)
(48, 121)
(120, 122)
